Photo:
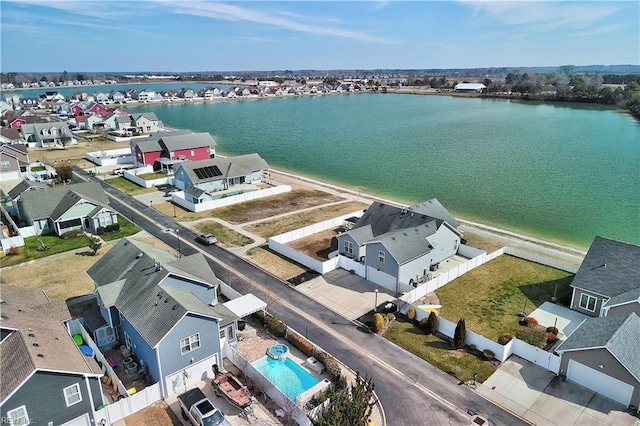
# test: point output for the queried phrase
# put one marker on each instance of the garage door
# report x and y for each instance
(599, 382)
(180, 381)
(381, 278)
(83, 420)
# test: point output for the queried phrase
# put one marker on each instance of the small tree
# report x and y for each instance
(95, 244)
(65, 172)
(432, 323)
(411, 313)
(460, 335)
(348, 407)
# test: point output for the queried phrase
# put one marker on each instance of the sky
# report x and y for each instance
(190, 35)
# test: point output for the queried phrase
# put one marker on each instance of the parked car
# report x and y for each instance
(199, 410)
(170, 192)
(118, 171)
(206, 239)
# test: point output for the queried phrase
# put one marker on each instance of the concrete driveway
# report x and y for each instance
(541, 398)
(348, 295)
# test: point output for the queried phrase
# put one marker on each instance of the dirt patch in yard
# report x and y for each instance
(318, 245)
(157, 414)
(274, 263)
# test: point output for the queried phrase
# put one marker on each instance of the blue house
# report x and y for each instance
(401, 245)
(165, 310)
(218, 174)
(45, 377)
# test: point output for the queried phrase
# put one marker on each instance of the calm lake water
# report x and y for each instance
(565, 173)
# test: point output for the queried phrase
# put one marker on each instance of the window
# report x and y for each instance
(381, 256)
(190, 343)
(193, 153)
(348, 247)
(5, 164)
(588, 302)
(18, 416)
(72, 395)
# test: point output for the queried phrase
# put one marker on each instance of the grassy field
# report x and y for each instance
(126, 229)
(129, 187)
(262, 208)
(227, 237)
(75, 153)
(437, 352)
(152, 176)
(490, 297)
(298, 220)
(487, 244)
(32, 244)
(274, 263)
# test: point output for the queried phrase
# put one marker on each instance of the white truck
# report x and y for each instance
(198, 409)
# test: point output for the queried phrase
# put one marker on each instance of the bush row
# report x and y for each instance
(273, 324)
(108, 229)
(299, 342)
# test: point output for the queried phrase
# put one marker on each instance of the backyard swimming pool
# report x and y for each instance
(286, 375)
(230, 194)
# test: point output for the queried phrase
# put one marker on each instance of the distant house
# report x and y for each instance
(469, 87)
(145, 123)
(219, 173)
(187, 94)
(14, 161)
(46, 135)
(45, 377)
(602, 353)
(10, 136)
(82, 206)
(117, 96)
(165, 310)
(401, 245)
(165, 149)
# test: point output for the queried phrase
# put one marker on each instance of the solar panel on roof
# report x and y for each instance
(198, 173)
(207, 172)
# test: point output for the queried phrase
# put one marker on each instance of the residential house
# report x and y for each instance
(102, 97)
(10, 136)
(117, 96)
(165, 310)
(145, 123)
(169, 95)
(45, 377)
(25, 118)
(23, 186)
(90, 121)
(469, 87)
(219, 173)
(14, 161)
(44, 135)
(187, 93)
(602, 353)
(53, 96)
(82, 206)
(163, 150)
(401, 245)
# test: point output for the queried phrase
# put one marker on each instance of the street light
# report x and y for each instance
(375, 304)
(178, 235)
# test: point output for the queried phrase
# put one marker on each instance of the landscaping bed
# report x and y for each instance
(491, 296)
(318, 245)
(438, 351)
(124, 229)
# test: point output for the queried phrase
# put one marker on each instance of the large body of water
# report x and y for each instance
(560, 172)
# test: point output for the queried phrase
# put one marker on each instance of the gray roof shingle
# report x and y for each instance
(26, 185)
(620, 335)
(54, 202)
(624, 298)
(133, 273)
(610, 268)
(230, 167)
(187, 141)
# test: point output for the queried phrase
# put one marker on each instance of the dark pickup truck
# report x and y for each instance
(198, 409)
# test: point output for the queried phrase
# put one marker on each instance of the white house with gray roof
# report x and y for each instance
(401, 245)
(65, 208)
(47, 135)
(165, 309)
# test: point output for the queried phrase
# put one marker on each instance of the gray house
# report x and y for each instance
(401, 245)
(65, 208)
(219, 173)
(45, 377)
(610, 270)
(165, 310)
(603, 354)
(46, 135)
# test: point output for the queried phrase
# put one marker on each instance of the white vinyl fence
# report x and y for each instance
(11, 242)
(132, 175)
(110, 157)
(543, 260)
(227, 201)
(279, 245)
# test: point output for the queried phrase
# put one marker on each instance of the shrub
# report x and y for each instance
(553, 330)
(101, 230)
(109, 228)
(275, 326)
(530, 321)
(473, 347)
(488, 355)
(505, 338)
(535, 336)
(378, 323)
(116, 227)
(330, 364)
(423, 325)
(70, 235)
(390, 317)
(551, 337)
(411, 313)
(13, 251)
(300, 342)
(432, 323)
(460, 334)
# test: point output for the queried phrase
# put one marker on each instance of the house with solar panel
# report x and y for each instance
(165, 310)
(164, 150)
(200, 179)
(401, 245)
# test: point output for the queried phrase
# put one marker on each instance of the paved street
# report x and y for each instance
(412, 392)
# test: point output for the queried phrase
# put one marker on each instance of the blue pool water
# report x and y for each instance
(230, 194)
(286, 375)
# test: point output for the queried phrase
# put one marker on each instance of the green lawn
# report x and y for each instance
(227, 237)
(129, 187)
(126, 229)
(152, 176)
(32, 244)
(437, 352)
(490, 297)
